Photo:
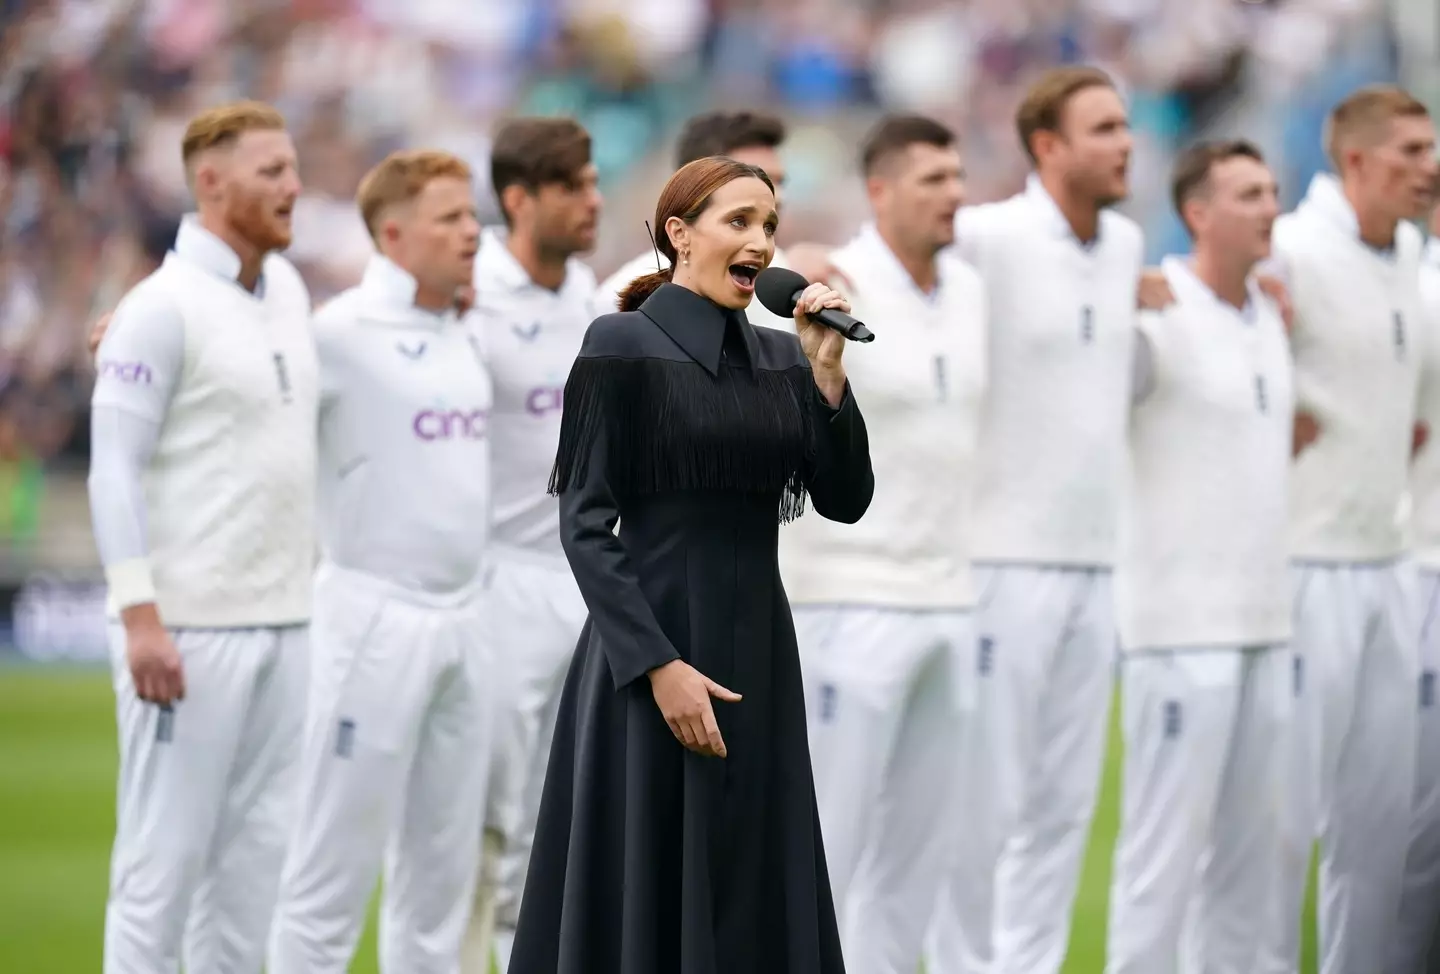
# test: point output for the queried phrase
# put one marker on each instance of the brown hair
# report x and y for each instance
(1043, 109)
(399, 178)
(1365, 116)
(222, 126)
(536, 152)
(896, 133)
(686, 195)
(721, 133)
(1191, 176)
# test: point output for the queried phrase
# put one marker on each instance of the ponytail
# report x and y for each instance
(641, 288)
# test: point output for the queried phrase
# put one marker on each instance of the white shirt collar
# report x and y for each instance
(1182, 277)
(196, 245)
(1325, 199)
(1049, 210)
(495, 262)
(869, 237)
(387, 281)
(393, 288)
(1432, 252)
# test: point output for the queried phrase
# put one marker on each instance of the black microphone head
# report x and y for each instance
(777, 288)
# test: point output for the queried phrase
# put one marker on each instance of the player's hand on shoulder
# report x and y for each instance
(1275, 289)
(464, 299)
(1154, 292)
(811, 261)
(1418, 438)
(683, 695)
(97, 333)
(1306, 431)
(155, 666)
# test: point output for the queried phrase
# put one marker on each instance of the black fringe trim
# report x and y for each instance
(671, 426)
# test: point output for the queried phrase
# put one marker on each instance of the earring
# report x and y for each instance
(686, 258)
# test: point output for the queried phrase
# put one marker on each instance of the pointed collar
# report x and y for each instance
(1325, 199)
(196, 245)
(698, 325)
(1054, 218)
(390, 293)
(495, 262)
(882, 258)
(1182, 277)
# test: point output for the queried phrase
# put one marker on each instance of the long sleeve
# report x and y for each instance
(626, 625)
(138, 366)
(840, 481)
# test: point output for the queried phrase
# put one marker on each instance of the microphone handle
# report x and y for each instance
(836, 320)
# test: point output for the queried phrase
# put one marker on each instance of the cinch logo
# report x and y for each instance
(450, 424)
(132, 372)
(546, 399)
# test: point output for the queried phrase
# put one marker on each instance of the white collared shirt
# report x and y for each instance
(1051, 455)
(1425, 471)
(920, 383)
(530, 335)
(1356, 342)
(1203, 540)
(203, 445)
(404, 437)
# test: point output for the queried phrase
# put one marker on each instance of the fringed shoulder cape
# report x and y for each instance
(699, 435)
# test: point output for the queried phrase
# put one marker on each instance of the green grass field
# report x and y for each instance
(57, 774)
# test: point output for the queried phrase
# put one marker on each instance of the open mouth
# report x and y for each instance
(743, 276)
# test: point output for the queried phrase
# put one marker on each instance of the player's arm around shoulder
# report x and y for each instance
(1147, 363)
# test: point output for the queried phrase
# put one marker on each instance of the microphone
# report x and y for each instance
(778, 289)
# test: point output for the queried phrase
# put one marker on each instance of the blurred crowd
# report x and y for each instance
(95, 93)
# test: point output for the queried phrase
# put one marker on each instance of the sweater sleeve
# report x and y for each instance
(138, 367)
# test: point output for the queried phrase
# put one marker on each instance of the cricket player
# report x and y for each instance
(883, 608)
(749, 137)
(1420, 900)
(202, 495)
(1061, 272)
(1202, 590)
(1351, 266)
(534, 300)
(404, 689)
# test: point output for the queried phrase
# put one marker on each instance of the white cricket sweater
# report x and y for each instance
(226, 383)
(921, 384)
(1204, 556)
(1051, 456)
(1356, 341)
(404, 437)
(649, 262)
(530, 336)
(1425, 471)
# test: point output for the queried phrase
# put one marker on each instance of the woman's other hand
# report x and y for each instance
(683, 695)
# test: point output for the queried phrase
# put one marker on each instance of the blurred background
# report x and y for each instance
(94, 95)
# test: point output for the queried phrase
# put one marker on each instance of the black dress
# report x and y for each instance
(701, 434)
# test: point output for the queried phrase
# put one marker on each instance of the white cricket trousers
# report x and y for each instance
(1352, 763)
(886, 694)
(1414, 940)
(536, 615)
(402, 705)
(1031, 770)
(205, 803)
(1203, 778)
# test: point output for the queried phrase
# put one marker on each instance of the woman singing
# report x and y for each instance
(678, 832)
